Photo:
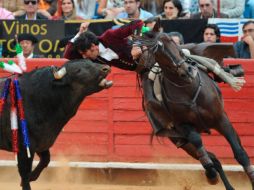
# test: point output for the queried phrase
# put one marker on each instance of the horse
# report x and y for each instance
(186, 111)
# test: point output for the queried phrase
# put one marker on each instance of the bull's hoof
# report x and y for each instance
(212, 176)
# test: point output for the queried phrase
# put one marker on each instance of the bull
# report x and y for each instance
(50, 100)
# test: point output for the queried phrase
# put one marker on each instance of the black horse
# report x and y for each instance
(191, 104)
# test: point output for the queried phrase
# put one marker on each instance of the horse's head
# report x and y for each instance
(168, 55)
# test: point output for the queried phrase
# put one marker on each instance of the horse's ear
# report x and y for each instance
(157, 25)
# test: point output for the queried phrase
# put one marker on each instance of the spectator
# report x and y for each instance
(153, 6)
(14, 6)
(109, 9)
(177, 37)
(249, 9)
(47, 7)
(172, 9)
(31, 11)
(133, 10)
(232, 8)
(27, 42)
(245, 47)
(85, 9)
(211, 33)
(5, 14)
(68, 11)
(207, 10)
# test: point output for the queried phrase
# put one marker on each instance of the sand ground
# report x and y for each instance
(65, 178)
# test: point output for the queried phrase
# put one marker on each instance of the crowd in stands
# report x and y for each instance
(128, 9)
(109, 9)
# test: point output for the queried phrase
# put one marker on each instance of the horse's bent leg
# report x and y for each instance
(195, 139)
(24, 168)
(240, 154)
(192, 151)
(43, 163)
(218, 167)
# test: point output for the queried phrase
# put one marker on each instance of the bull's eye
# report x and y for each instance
(78, 71)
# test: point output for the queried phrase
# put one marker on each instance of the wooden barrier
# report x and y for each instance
(111, 126)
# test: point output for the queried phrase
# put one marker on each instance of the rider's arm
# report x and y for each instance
(118, 35)
(69, 53)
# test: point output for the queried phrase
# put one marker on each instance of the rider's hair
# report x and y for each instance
(85, 41)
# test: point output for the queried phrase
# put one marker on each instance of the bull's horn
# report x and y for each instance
(60, 74)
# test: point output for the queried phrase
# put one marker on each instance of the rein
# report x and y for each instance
(153, 45)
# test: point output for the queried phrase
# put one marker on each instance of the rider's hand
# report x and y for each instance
(83, 27)
(136, 52)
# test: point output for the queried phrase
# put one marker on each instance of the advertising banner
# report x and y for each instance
(48, 33)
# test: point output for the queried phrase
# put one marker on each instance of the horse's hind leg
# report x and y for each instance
(24, 168)
(240, 154)
(43, 163)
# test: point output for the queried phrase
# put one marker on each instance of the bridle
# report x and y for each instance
(154, 44)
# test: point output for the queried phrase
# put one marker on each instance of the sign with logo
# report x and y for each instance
(48, 33)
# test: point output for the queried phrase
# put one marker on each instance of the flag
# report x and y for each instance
(230, 29)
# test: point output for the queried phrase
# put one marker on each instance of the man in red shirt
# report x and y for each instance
(110, 48)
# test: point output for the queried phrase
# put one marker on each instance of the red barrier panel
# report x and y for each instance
(111, 126)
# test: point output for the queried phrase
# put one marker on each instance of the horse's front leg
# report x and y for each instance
(194, 138)
(43, 163)
(227, 130)
(24, 168)
(192, 151)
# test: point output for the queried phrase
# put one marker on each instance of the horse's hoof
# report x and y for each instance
(213, 181)
(212, 176)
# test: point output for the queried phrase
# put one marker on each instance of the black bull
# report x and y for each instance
(191, 104)
(49, 104)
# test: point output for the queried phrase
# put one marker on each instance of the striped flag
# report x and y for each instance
(231, 29)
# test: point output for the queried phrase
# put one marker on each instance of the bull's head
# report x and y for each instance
(83, 72)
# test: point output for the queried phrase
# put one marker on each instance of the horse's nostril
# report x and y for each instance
(189, 69)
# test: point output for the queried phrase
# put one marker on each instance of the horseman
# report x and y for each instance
(111, 48)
